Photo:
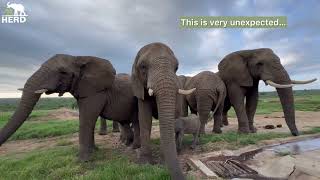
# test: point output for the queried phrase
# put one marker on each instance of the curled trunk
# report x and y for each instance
(25, 107)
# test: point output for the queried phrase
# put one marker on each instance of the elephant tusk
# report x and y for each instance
(271, 83)
(150, 91)
(20, 89)
(41, 91)
(303, 82)
(186, 92)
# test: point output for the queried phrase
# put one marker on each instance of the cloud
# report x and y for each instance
(117, 29)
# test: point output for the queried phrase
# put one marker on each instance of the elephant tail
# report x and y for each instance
(221, 97)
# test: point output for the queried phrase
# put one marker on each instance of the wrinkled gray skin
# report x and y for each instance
(241, 71)
(187, 125)
(89, 79)
(209, 96)
(155, 68)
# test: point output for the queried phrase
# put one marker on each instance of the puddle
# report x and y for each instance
(236, 166)
(297, 147)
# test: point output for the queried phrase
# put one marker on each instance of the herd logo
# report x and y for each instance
(14, 13)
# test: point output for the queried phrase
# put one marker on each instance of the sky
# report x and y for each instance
(117, 29)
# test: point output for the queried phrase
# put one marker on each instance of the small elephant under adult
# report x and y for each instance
(187, 125)
(209, 96)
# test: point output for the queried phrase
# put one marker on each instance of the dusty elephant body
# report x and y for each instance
(241, 71)
(209, 96)
(155, 84)
(187, 125)
(89, 79)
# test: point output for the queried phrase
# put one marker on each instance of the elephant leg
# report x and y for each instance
(227, 106)
(103, 126)
(89, 111)
(217, 120)
(251, 106)
(236, 95)
(145, 122)
(136, 131)
(115, 127)
(127, 134)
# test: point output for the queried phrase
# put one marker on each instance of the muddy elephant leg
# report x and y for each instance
(227, 106)
(103, 126)
(251, 106)
(88, 117)
(145, 122)
(236, 95)
(115, 126)
(217, 120)
(136, 131)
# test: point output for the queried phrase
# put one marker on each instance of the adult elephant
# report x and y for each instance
(155, 84)
(242, 70)
(89, 79)
(209, 96)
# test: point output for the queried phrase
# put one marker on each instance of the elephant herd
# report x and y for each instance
(155, 91)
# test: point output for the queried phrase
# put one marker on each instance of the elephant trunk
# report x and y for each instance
(27, 102)
(166, 96)
(287, 101)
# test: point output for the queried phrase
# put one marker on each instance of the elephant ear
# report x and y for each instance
(234, 68)
(137, 85)
(95, 75)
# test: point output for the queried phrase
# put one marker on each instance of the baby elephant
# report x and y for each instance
(187, 125)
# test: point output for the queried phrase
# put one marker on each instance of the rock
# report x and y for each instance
(269, 126)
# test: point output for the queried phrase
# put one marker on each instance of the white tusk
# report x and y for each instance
(303, 82)
(271, 83)
(41, 91)
(20, 89)
(150, 91)
(186, 92)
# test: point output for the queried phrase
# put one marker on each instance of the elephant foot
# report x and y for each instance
(225, 123)
(128, 142)
(102, 133)
(136, 145)
(218, 131)
(84, 157)
(253, 129)
(243, 130)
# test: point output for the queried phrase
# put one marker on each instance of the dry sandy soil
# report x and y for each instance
(305, 121)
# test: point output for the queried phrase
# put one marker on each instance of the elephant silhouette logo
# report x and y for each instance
(14, 13)
(18, 9)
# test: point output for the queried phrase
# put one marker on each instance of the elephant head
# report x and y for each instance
(82, 76)
(154, 75)
(247, 66)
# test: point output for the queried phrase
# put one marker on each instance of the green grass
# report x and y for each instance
(61, 163)
(49, 128)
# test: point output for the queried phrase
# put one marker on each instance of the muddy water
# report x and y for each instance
(297, 147)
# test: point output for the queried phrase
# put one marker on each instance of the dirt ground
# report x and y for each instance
(304, 120)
